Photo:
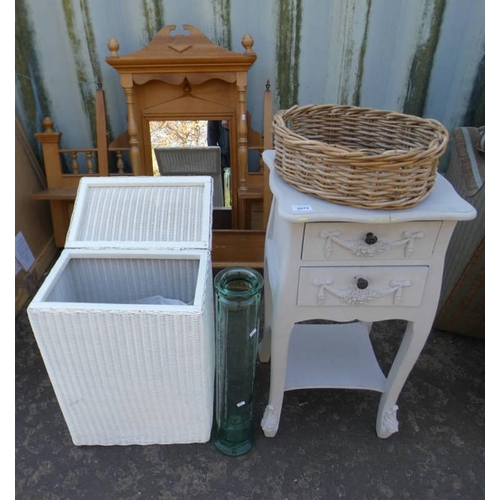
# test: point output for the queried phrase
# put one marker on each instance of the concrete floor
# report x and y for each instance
(326, 446)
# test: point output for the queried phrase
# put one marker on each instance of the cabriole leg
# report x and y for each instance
(279, 356)
(413, 341)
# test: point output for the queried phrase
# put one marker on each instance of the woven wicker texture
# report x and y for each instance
(361, 157)
(129, 376)
(125, 280)
(193, 161)
(143, 213)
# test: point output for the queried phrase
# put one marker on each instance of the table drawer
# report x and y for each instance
(342, 241)
(361, 286)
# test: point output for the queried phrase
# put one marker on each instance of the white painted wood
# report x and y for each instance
(346, 358)
(299, 290)
(339, 241)
(334, 286)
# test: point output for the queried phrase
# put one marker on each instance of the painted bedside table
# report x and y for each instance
(352, 266)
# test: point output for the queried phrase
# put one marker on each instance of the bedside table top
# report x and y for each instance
(442, 204)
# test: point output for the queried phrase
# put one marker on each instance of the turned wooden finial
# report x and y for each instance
(247, 42)
(268, 85)
(47, 124)
(113, 47)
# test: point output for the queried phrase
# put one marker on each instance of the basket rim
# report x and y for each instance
(435, 148)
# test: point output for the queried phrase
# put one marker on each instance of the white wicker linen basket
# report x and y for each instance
(124, 371)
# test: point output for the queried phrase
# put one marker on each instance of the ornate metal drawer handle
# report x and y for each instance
(359, 295)
(370, 245)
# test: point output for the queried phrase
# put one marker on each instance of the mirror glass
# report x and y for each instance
(189, 147)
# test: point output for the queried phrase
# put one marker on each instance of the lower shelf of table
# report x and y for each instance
(332, 356)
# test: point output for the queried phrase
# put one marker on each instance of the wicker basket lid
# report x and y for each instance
(142, 213)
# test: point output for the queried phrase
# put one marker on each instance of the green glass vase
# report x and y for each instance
(237, 300)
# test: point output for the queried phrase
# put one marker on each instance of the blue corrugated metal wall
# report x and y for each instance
(424, 57)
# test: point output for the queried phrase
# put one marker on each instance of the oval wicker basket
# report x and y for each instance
(361, 157)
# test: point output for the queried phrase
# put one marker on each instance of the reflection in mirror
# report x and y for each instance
(176, 134)
(193, 148)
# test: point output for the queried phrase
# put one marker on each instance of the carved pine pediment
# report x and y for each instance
(173, 52)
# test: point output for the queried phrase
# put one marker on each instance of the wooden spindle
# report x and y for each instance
(74, 162)
(90, 166)
(119, 162)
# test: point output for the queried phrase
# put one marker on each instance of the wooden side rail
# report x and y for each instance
(58, 194)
